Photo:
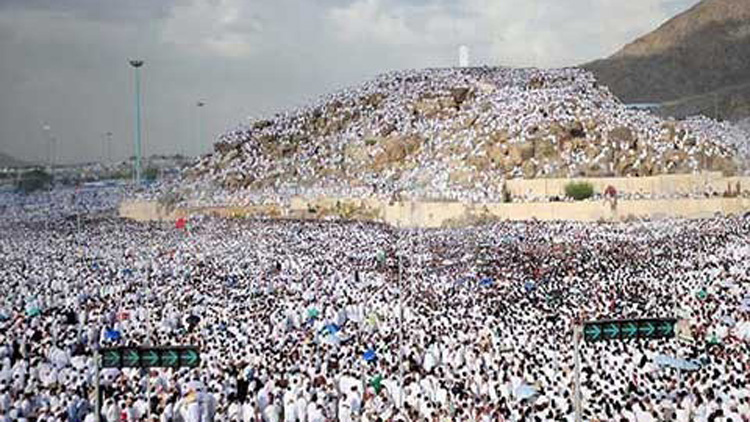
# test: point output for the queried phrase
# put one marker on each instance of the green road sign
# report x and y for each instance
(150, 357)
(627, 329)
(189, 358)
(592, 332)
(666, 329)
(611, 331)
(648, 329)
(170, 358)
(111, 358)
(131, 358)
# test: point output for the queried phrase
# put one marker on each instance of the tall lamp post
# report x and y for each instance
(51, 141)
(200, 104)
(107, 148)
(137, 64)
(50, 148)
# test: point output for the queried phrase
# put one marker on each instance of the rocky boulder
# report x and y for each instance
(460, 95)
(397, 148)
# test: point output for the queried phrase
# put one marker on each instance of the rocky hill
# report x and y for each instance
(697, 62)
(440, 131)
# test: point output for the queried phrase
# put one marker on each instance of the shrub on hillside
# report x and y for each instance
(506, 194)
(579, 190)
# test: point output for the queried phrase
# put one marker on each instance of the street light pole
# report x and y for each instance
(107, 148)
(400, 323)
(137, 64)
(200, 105)
(97, 387)
(51, 149)
(577, 330)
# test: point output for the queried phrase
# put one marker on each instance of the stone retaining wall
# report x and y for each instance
(664, 185)
(452, 214)
(442, 214)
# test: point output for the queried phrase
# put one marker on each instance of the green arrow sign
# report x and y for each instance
(111, 358)
(630, 330)
(592, 332)
(170, 358)
(149, 358)
(666, 329)
(189, 358)
(611, 330)
(650, 328)
(647, 329)
(130, 358)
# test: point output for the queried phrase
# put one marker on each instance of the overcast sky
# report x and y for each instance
(63, 63)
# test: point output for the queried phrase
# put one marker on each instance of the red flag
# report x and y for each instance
(180, 223)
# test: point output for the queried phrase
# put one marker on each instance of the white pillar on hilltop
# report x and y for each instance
(463, 56)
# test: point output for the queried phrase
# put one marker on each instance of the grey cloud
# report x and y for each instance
(107, 10)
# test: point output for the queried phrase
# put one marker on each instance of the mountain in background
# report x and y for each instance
(696, 63)
(8, 161)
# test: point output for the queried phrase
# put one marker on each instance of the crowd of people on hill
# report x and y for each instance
(349, 321)
(457, 114)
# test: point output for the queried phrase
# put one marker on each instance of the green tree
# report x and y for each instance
(579, 190)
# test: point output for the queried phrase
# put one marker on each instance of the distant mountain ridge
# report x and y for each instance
(697, 62)
(8, 161)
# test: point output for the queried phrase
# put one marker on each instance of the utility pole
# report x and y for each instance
(200, 104)
(400, 324)
(51, 149)
(107, 148)
(137, 64)
(97, 387)
(577, 357)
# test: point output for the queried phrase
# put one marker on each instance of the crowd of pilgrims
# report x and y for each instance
(60, 202)
(349, 321)
(520, 102)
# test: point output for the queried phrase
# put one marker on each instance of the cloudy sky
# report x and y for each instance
(63, 63)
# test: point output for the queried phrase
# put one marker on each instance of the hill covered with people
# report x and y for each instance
(435, 131)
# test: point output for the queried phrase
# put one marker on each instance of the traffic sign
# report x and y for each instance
(189, 358)
(130, 358)
(626, 329)
(170, 358)
(111, 358)
(150, 357)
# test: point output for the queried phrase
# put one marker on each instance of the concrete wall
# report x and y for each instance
(441, 214)
(151, 211)
(455, 214)
(655, 185)
(445, 214)
(145, 211)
